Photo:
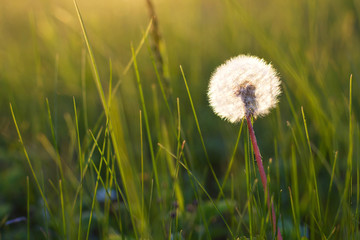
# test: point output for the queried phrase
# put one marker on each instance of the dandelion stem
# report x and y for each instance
(262, 174)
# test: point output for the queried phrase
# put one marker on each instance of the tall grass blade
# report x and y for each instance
(295, 117)
(92, 59)
(97, 182)
(199, 131)
(357, 196)
(142, 164)
(81, 168)
(348, 176)
(27, 208)
(86, 168)
(125, 166)
(29, 162)
(151, 196)
(62, 209)
(232, 158)
(295, 185)
(128, 177)
(248, 186)
(295, 216)
(179, 145)
(57, 159)
(312, 167)
(83, 88)
(142, 41)
(344, 204)
(172, 169)
(330, 185)
(147, 125)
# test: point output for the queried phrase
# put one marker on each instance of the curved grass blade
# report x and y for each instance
(147, 126)
(232, 158)
(29, 162)
(199, 130)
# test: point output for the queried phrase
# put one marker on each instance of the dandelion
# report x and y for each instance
(246, 87)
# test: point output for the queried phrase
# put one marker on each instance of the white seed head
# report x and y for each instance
(243, 85)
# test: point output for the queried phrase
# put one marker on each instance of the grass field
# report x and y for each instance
(107, 133)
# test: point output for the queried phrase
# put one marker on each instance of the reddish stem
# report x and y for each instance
(262, 175)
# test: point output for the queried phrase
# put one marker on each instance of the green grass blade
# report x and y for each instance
(92, 59)
(96, 184)
(62, 209)
(348, 177)
(232, 158)
(295, 216)
(295, 185)
(142, 41)
(110, 88)
(199, 131)
(151, 196)
(27, 208)
(312, 167)
(330, 185)
(179, 152)
(357, 196)
(81, 168)
(54, 140)
(306, 131)
(179, 144)
(128, 177)
(172, 169)
(86, 168)
(29, 162)
(147, 125)
(142, 163)
(249, 193)
(83, 88)
(111, 170)
(350, 147)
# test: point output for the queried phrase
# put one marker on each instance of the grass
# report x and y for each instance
(107, 137)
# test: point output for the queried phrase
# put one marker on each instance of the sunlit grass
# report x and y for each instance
(119, 142)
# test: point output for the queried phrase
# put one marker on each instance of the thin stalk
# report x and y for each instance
(62, 208)
(28, 208)
(96, 187)
(231, 159)
(311, 165)
(81, 168)
(248, 186)
(142, 164)
(262, 175)
(201, 137)
(350, 151)
(147, 126)
(83, 87)
(29, 162)
(294, 215)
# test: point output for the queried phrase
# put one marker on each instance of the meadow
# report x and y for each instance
(106, 130)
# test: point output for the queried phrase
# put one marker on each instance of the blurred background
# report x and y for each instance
(314, 45)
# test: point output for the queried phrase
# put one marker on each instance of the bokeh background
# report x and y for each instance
(314, 45)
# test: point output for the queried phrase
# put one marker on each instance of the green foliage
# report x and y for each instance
(107, 137)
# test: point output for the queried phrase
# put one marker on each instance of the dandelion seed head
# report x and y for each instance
(243, 85)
